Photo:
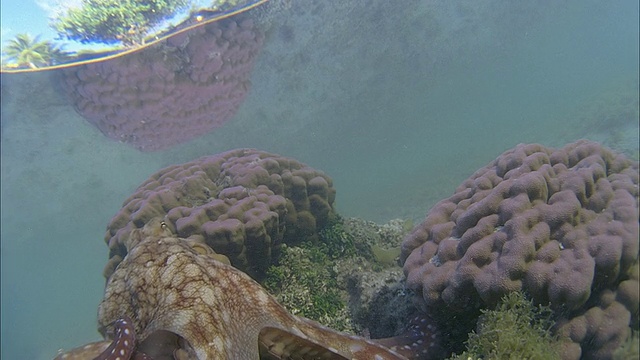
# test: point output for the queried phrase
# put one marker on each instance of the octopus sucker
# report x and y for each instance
(88, 351)
(122, 347)
(231, 316)
(420, 341)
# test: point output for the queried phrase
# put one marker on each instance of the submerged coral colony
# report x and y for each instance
(533, 257)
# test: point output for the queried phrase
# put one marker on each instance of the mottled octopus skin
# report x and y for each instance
(172, 284)
(121, 348)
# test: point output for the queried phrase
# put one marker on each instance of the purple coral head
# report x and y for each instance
(242, 203)
(559, 224)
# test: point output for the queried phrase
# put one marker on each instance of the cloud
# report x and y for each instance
(54, 8)
(4, 31)
(5, 34)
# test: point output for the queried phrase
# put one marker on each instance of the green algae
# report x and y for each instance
(335, 241)
(386, 257)
(515, 329)
(305, 281)
(629, 349)
(334, 278)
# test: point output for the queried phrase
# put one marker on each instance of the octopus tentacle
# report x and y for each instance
(122, 347)
(421, 340)
(191, 305)
(124, 341)
(88, 351)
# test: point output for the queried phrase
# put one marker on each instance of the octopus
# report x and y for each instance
(173, 298)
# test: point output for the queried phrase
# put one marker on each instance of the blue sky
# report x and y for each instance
(23, 16)
(32, 17)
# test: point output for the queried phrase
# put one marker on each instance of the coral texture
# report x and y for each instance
(242, 203)
(561, 225)
(172, 91)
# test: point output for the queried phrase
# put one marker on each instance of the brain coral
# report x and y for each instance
(172, 91)
(562, 225)
(242, 203)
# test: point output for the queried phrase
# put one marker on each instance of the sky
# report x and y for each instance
(32, 17)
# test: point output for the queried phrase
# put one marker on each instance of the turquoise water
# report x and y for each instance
(397, 105)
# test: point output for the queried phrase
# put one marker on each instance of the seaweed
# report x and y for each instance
(629, 348)
(323, 278)
(335, 241)
(305, 283)
(515, 329)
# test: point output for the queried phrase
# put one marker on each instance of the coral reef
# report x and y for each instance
(378, 301)
(242, 203)
(305, 282)
(172, 91)
(340, 282)
(561, 225)
(326, 269)
(515, 329)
